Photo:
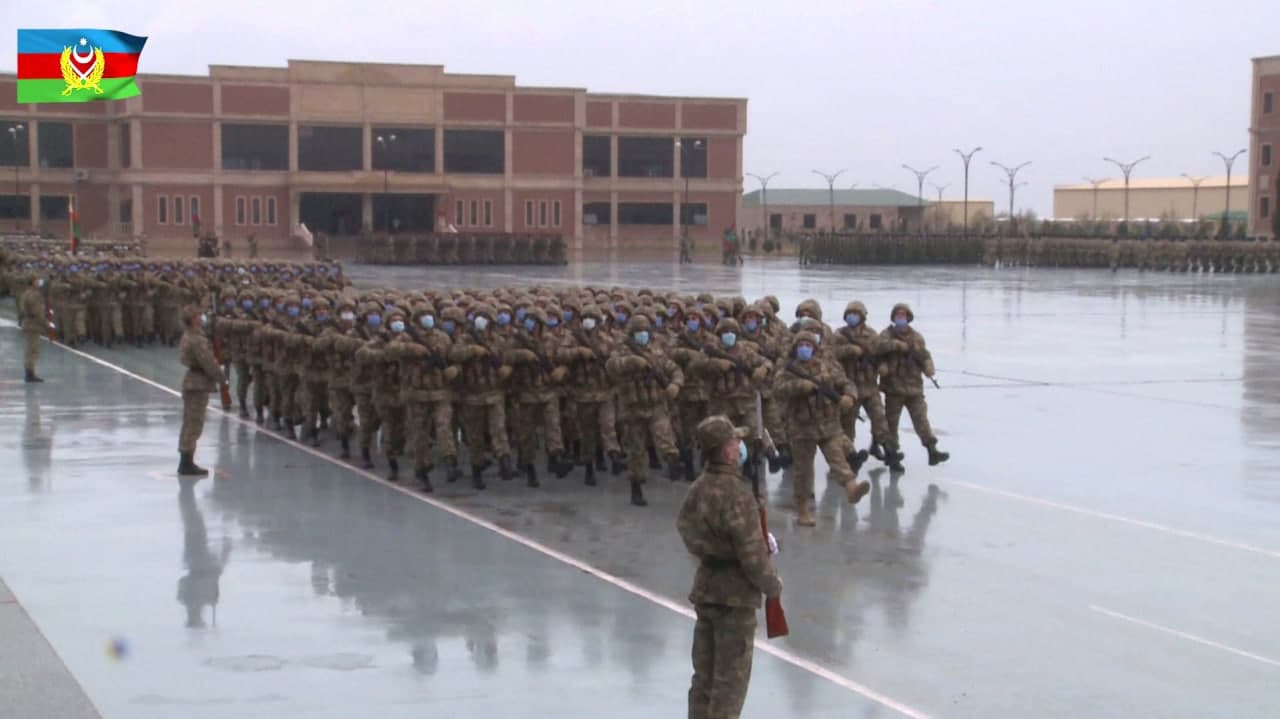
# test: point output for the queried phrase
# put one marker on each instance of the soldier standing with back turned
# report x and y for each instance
(720, 525)
(202, 378)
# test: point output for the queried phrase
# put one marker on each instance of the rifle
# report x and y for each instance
(775, 620)
(51, 329)
(224, 389)
(827, 391)
(738, 365)
(653, 370)
(433, 359)
(586, 342)
(526, 340)
(915, 359)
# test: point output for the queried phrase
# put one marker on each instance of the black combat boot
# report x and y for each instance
(560, 465)
(637, 495)
(424, 478)
(314, 431)
(346, 448)
(393, 469)
(31, 377)
(686, 459)
(858, 458)
(532, 473)
(590, 468)
(653, 459)
(477, 480)
(784, 457)
(504, 468)
(244, 411)
(875, 451)
(260, 418)
(775, 462)
(675, 470)
(290, 432)
(188, 468)
(616, 465)
(275, 422)
(600, 465)
(893, 457)
(452, 473)
(936, 456)
(366, 457)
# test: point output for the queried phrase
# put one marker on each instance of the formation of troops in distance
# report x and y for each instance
(606, 379)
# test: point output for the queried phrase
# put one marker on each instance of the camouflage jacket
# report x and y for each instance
(726, 379)
(535, 371)
(196, 354)
(686, 350)
(808, 412)
(425, 374)
(585, 354)
(904, 359)
(641, 377)
(719, 522)
(480, 361)
(858, 351)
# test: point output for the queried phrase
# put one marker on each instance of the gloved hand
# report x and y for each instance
(723, 365)
(901, 345)
(558, 374)
(504, 373)
(846, 402)
(760, 373)
(450, 373)
(673, 391)
(586, 353)
(773, 543)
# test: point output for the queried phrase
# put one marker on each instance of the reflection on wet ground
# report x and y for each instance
(1101, 543)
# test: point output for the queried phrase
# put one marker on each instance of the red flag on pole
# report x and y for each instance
(75, 224)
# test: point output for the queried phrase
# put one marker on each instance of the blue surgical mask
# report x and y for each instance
(264, 304)
(520, 313)
(397, 325)
(692, 325)
(588, 323)
(553, 322)
(481, 323)
(307, 302)
(530, 324)
(751, 325)
(374, 320)
(900, 322)
(449, 326)
(388, 306)
(852, 319)
(671, 312)
(658, 321)
(641, 337)
(742, 453)
(322, 317)
(247, 304)
(292, 310)
(504, 319)
(621, 318)
(427, 321)
(729, 339)
(804, 353)
(567, 315)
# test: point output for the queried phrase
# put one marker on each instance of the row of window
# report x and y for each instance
(461, 218)
(249, 210)
(170, 210)
(809, 221)
(541, 219)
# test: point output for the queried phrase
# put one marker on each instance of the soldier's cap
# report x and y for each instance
(591, 311)
(637, 323)
(189, 313)
(803, 336)
(811, 307)
(715, 431)
(728, 324)
(856, 307)
(903, 307)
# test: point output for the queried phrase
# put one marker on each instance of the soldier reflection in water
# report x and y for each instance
(198, 588)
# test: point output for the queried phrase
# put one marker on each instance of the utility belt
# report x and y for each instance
(715, 563)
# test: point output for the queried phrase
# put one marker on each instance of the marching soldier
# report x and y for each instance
(423, 352)
(857, 348)
(646, 381)
(904, 360)
(479, 353)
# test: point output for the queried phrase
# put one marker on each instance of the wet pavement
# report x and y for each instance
(1103, 542)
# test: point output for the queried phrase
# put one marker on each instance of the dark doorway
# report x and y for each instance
(333, 213)
(404, 213)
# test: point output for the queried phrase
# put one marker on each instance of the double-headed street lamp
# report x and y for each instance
(1011, 173)
(1195, 194)
(1226, 211)
(939, 189)
(920, 175)
(1096, 184)
(966, 156)
(831, 193)
(385, 143)
(1127, 169)
(15, 132)
(764, 197)
(684, 170)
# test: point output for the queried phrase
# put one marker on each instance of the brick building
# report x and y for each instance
(1264, 144)
(345, 146)
(812, 210)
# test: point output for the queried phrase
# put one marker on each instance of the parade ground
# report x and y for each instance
(1104, 541)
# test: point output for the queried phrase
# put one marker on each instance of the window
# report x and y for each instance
(488, 213)
(1268, 102)
(57, 149)
(178, 218)
(596, 213)
(255, 147)
(330, 149)
(646, 157)
(528, 213)
(474, 152)
(693, 157)
(403, 149)
(256, 210)
(126, 147)
(850, 221)
(240, 211)
(194, 206)
(555, 213)
(162, 210)
(875, 222)
(646, 213)
(775, 221)
(475, 213)
(15, 207)
(810, 221)
(694, 213)
(13, 146)
(458, 210)
(54, 207)
(1264, 206)
(271, 210)
(1266, 155)
(542, 214)
(595, 156)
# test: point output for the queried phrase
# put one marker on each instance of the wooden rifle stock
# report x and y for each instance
(775, 619)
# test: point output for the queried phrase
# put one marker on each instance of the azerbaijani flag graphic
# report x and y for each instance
(77, 65)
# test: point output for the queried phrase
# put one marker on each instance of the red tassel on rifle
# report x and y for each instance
(775, 620)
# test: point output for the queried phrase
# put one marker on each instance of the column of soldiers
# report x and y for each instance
(1161, 255)
(453, 248)
(533, 379)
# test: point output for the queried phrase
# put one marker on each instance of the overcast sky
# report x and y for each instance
(833, 84)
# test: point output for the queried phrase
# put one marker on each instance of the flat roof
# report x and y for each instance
(806, 197)
(1160, 183)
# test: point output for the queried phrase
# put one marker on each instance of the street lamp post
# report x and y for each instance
(15, 132)
(1226, 211)
(920, 175)
(684, 170)
(1012, 173)
(939, 189)
(1127, 169)
(386, 142)
(966, 156)
(764, 198)
(1096, 184)
(1195, 195)
(831, 194)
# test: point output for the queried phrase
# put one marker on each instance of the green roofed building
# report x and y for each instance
(818, 210)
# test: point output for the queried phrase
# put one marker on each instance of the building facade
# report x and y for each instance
(1176, 198)
(792, 210)
(1264, 143)
(346, 147)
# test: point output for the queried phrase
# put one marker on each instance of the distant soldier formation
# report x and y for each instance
(456, 248)
(526, 380)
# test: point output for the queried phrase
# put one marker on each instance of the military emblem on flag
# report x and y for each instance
(77, 65)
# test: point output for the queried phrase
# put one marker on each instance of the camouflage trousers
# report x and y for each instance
(874, 407)
(638, 432)
(392, 413)
(804, 450)
(723, 646)
(479, 420)
(262, 384)
(531, 414)
(31, 351)
(568, 419)
(773, 422)
(919, 411)
(73, 325)
(426, 419)
(109, 324)
(135, 322)
(169, 325)
(370, 422)
(284, 397)
(317, 402)
(688, 414)
(342, 403)
(597, 428)
(194, 406)
(244, 378)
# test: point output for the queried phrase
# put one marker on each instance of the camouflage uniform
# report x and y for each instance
(339, 342)
(734, 374)
(202, 378)
(857, 349)
(479, 354)
(904, 359)
(719, 523)
(585, 353)
(426, 377)
(386, 391)
(31, 313)
(535, 376)
(691, 406)
(365, 371)
(646, 381)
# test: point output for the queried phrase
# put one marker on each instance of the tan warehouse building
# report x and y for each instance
(1264, 143)
(346, 147)
(880, 210)
(1153, 199)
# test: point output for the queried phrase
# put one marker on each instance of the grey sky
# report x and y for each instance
(859, 85)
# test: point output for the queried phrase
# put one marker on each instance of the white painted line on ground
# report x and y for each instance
(1184, 635)
(1131, 521)
(635, 589)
